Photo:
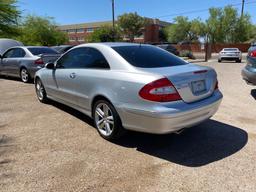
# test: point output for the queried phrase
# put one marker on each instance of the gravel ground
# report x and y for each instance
(54, 148)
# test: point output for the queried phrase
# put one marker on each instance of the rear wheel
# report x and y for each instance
(40, 91)
(24, 75)
(239, 61)
(107, 120)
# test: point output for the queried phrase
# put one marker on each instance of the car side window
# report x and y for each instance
(15, 53)
(83, 58)
(8, 54)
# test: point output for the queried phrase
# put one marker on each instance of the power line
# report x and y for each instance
(202, 10)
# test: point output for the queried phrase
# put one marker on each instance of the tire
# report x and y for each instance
(24, 75)
(40, 91)
(219, 60)
(110, 127)
(239, 61)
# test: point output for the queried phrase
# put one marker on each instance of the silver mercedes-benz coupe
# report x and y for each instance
(131, 86)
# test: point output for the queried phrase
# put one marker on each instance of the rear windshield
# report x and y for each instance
(230, 49)
(42, 50)
(148, 56)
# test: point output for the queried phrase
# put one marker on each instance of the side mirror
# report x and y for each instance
(49, 66)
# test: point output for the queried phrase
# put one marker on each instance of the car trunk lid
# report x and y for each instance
(192, 82)
(47, 58)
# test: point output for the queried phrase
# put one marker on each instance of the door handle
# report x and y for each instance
(72, 75)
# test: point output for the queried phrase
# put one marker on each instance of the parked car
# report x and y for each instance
(230, 54)
(8, 43)
(24, 61)
(62, 48)
(131, 86)
(249, 71)
(168, 47)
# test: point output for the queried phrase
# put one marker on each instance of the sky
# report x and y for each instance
(82, 11)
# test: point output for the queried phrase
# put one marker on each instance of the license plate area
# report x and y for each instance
(198, 87)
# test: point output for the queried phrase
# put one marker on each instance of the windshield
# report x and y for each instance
(148, 56)
(42, 50)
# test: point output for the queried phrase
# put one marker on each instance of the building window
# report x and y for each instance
(71, 30)
(72, 38)
(80, 30)
(80, 38)
(89, 30)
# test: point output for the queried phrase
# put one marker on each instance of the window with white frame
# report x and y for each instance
(71, 30)
(89, 30)
(81, 30)
(72, 38)
(80, 38)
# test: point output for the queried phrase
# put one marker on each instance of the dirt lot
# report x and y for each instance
(54, 148)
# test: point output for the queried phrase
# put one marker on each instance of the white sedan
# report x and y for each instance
(230, 54)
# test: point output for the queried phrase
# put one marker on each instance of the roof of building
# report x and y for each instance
(102, 23)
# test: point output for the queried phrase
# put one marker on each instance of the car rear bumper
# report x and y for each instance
(230, 57)
(33, 69)
(249, 75)
(170, 118)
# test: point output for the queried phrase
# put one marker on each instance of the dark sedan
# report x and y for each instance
(249, 71)
(168, 47)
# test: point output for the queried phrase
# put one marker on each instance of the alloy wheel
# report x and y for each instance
(24, 75)
(104, 119)
(39, 90)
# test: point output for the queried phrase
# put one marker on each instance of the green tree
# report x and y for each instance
(214, 25)
(226, 26)
(104, 34)
(185, 30)
(131, 25)
(9, 15)
(41, 31)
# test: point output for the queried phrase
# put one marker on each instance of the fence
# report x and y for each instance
(197, 47)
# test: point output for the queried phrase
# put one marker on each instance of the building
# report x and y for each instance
(77, 33)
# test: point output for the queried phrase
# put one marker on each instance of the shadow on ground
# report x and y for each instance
(210, 141)
(253, 93)
(72, 112)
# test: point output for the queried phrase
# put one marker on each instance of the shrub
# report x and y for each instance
(187, 53)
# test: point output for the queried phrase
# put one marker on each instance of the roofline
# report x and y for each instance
(102, 23)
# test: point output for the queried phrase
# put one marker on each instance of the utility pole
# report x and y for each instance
(242, 11)
(113, 13)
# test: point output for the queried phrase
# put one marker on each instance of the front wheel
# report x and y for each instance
(40, 91)
(219, 60)
(107, 120)
(24, 75)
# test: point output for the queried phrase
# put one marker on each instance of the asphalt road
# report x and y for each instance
(55, 148)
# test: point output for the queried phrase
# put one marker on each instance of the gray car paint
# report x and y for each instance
(12, 66)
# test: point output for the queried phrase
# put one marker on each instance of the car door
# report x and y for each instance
(15, 61)
(91, 73)
(63, 83)
(11, 61)
(5, 61)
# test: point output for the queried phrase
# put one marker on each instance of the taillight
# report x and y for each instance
(216, 85)
(161, 90)
(39, 61)
(253, 53)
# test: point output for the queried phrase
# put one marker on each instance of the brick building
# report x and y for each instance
(77, 33)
